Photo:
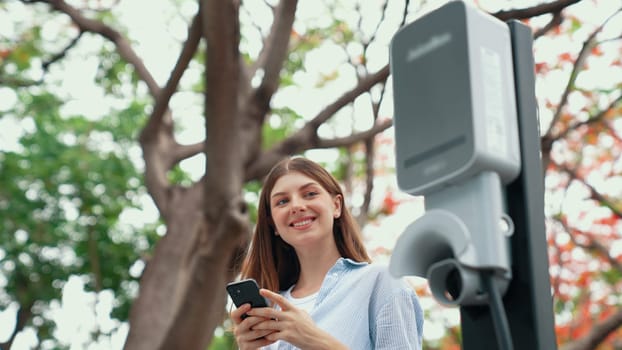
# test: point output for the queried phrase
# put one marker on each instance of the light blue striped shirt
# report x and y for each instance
(364, 307)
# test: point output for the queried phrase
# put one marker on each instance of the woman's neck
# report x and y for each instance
(313, 268)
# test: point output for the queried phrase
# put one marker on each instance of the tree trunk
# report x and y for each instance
(159, 294)
(202, 309)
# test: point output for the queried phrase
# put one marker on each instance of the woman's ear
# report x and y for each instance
(337, 201)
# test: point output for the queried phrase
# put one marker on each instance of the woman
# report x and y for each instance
(307, 246)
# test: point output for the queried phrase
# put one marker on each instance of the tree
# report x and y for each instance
(182, 295)
(581, 151)
(60, 202)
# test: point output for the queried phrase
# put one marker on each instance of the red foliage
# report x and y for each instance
(610, 220)
(542, 67)
(389, 203)
(565, 57)
(4, 53)
(597, 51)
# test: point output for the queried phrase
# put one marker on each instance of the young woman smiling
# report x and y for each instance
(308, 256)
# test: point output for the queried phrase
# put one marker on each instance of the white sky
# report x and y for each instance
(79, 313)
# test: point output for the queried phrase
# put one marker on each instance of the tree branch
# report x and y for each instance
(306, 137)
(598, 333)
(354, 138)
(160, 150)
(578, 65)
(555, 281)
(555, 21)
(593, 246)
(123, 46)
(383, 15)
(364, 85)
(594, 194)
(163, 98)
(182, 152)
(537, 10)
(45, 65)
(591, 120)
(94, 259)
(16, 82)
(370, 156)
(21, 318)
(274, 51)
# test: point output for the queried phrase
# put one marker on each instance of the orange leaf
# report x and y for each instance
(584, 279)
(591, 139)
(541, 67)
(389, 203)
(609, 221)
(565, 57)
(562, 331)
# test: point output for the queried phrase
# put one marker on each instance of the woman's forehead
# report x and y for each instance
(292, 181)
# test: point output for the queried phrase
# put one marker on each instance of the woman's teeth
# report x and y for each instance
(302, 223)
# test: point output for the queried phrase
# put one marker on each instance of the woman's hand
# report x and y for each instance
(246, 336)
(291, 324)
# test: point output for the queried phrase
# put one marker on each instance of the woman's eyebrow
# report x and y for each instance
(301, 188)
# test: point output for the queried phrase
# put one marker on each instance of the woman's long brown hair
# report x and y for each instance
(271, 261)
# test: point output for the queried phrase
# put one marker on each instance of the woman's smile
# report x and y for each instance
(302, 223)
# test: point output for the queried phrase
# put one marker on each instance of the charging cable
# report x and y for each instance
(497, 310)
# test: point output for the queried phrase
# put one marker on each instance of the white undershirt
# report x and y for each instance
(304, 303)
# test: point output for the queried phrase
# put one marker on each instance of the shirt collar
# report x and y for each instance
(348, 261)
(342, 266)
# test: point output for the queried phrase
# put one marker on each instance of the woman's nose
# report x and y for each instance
(297, 204)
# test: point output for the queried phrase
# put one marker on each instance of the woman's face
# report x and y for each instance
(303, 211)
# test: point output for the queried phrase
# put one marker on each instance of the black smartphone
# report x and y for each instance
(246, 292)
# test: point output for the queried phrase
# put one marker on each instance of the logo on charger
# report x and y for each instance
(432, 44)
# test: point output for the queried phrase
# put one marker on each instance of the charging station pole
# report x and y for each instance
(528, 299)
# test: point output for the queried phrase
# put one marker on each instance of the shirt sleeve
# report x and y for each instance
(399, 323)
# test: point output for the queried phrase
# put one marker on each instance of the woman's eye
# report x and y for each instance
(280, 202)
(311, 194)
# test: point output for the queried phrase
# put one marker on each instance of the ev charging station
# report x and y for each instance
(467, 139)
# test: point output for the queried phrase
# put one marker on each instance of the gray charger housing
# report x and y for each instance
(455, 109)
